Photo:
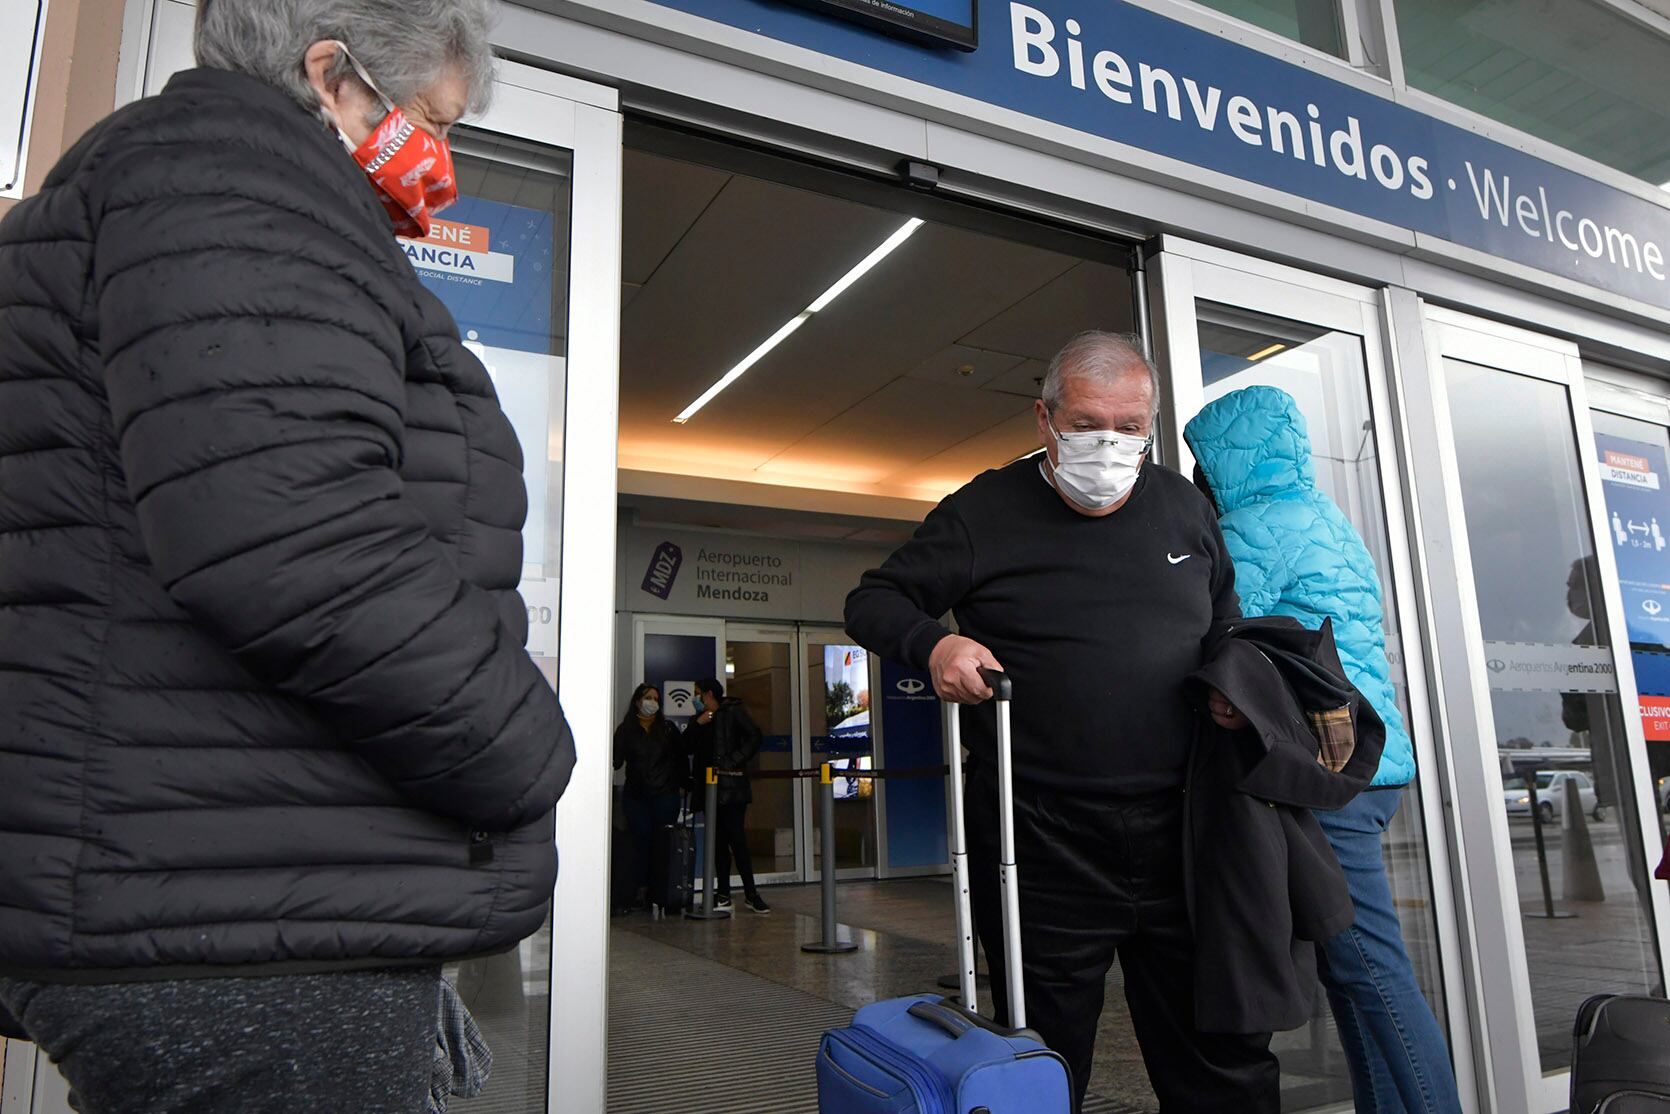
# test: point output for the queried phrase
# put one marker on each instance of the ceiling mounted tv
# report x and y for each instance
(940, 22)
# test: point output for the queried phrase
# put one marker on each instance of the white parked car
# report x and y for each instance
(1551, 795)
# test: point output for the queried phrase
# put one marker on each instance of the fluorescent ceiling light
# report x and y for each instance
(886, 248)
(1263, 352)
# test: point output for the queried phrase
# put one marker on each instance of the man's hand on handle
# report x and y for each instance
(955, 665)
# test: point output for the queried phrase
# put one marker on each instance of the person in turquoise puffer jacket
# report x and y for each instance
(1296, 554)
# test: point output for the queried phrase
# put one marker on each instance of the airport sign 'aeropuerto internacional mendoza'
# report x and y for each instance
(1123, 73)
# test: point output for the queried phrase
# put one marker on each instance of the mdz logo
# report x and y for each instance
(663, 570)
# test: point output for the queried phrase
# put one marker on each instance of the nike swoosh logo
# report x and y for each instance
(1178, 560)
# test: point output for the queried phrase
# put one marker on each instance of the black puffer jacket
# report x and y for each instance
(263, 692)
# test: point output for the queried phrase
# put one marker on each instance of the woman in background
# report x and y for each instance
(657, 771)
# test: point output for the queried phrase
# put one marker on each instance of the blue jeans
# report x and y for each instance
(1396, 1051)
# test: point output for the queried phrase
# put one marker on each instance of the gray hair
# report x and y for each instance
(405, 45)
(1103, 357)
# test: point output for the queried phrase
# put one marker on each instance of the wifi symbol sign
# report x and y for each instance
(681, 698)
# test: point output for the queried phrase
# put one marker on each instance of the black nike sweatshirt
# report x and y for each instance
(1096, 620)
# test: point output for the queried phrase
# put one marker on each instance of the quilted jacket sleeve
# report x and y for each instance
(256, 387)
(1261, 569)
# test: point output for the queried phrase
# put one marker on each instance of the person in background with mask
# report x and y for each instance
(1091, 577)
(271, 748)
(1297, 555)
(657, 765)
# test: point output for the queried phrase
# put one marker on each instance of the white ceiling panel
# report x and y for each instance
(942, 283)
(960, 365)
(869, 395)
(946, 471)
(1025, 379)
(758, 256)
(664, 197)
(904, 423)
(1089, 296)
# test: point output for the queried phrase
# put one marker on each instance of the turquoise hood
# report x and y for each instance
(1294, 551)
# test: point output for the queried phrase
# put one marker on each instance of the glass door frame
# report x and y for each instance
(1499, 956)
(558, 111)
(676, 625)
(799, 637)
(783, 634)
(823, 634)
(1183, 273)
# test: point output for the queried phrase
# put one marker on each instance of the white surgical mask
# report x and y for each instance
(1097, 468)
(649, 707)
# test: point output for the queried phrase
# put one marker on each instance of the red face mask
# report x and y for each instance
(410, 169)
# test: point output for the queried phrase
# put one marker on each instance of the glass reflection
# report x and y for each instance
(1581, 879)
(1315, 23)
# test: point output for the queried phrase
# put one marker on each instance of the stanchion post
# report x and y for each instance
(826, 808)
(1528, 771)
(709, 838)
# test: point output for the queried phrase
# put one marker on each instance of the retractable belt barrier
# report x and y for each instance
(903, 774)
(825, 773)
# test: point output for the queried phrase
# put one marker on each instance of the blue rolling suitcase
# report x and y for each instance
(931, 1055)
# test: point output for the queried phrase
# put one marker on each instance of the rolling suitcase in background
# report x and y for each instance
(1621, 1056)
(931, 1055)
(672, 871)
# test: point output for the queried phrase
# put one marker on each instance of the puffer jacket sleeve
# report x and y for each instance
(256, 388)
(1261, 569)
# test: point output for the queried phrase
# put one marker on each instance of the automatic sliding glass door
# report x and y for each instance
(839, 730)
(759, 671)
(1225, 323)
(1550, 801)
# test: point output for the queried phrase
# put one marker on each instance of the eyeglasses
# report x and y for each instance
(1096, 438)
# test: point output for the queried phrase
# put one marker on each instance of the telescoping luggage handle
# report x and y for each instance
(1009, 880)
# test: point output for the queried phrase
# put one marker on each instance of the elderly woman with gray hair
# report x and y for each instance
(271, 749)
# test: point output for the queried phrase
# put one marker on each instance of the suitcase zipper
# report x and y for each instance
(924, 1083)
(834, 1065)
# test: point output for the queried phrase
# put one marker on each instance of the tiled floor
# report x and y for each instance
(1597, 947)
(724, 1016)
(903, 928)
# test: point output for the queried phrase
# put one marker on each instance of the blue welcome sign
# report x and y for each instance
(1115, 70)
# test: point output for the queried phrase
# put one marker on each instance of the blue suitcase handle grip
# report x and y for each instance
(956, 1020)
(999, 682)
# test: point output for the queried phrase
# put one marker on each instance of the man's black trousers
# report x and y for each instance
(733, 839)
(1102, 877)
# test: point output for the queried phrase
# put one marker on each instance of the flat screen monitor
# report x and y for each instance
(952, 22)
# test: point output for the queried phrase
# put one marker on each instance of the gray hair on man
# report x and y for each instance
(1100, 356)
(405, 45)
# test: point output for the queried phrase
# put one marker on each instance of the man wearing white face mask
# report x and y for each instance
(1091, 576)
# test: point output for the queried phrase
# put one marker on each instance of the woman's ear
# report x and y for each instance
(317, 64)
